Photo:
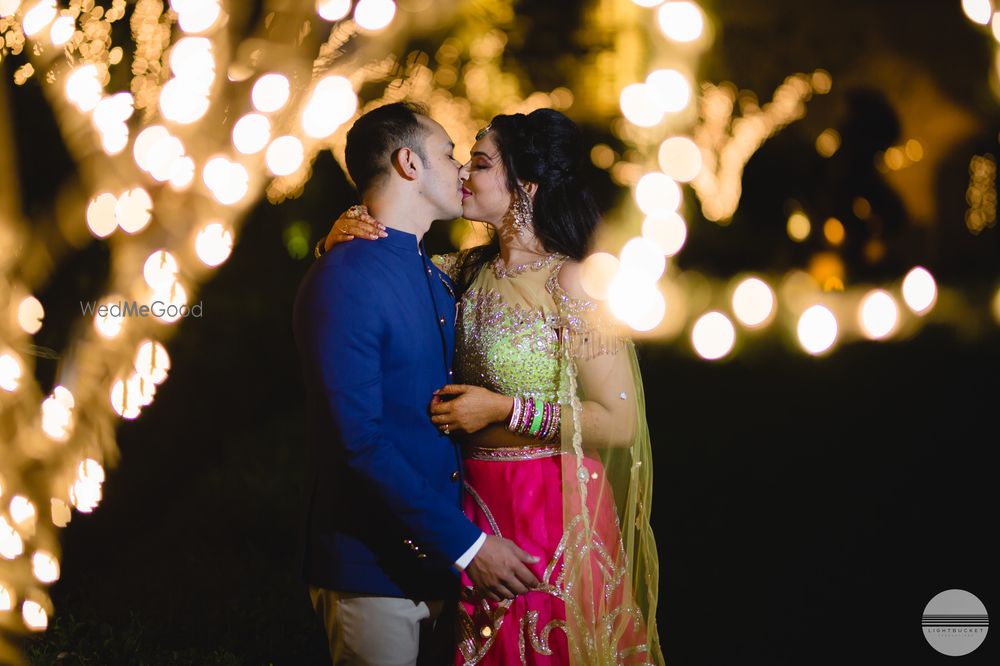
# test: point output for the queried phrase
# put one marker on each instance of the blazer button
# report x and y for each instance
(441, 321)
(454, 476)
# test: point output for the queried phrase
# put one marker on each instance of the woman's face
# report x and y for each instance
(485, 197)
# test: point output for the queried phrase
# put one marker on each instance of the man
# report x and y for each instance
(374, 323)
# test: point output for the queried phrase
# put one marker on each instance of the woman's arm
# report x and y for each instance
(353, 223)
(605, 381)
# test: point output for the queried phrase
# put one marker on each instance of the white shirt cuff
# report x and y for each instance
(471, 553)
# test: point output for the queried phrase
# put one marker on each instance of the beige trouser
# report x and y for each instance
(366, 630)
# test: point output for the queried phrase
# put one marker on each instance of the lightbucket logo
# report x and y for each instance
(955, 622)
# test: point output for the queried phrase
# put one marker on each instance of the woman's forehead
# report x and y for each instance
(486, 145)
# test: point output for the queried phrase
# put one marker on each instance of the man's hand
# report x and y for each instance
(355, 222)
(498, 570)
(461, 408)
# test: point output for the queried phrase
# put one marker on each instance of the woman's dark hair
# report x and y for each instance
(543, 147)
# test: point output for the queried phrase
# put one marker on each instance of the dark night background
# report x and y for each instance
(806, 510)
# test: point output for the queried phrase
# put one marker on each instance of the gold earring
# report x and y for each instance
(521, 208)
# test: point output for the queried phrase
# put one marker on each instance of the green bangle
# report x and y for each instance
(536, 421)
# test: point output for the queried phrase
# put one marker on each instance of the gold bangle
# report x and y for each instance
(317, 252)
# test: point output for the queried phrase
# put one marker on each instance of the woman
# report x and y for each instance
(550, 411)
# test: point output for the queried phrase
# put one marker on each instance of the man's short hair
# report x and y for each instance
(377, 135)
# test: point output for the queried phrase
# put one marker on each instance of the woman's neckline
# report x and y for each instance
(502, 272)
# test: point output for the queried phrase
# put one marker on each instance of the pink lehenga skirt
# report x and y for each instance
(516, 493)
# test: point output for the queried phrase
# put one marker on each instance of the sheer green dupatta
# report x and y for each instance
(609, 579)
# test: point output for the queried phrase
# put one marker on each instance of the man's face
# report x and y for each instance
(441, 179)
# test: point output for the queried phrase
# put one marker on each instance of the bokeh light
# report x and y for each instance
(681, 21)
(753, 302)
(152, 361)
(39, 16)
(196, 15)
(374, 14)
(980, 11)
(229, 181)
(668, 232)
(285, 155)
(878, 314)
(643, 259)
(333, 10)
(670, 90)
(817, 329)
(919, 290)
(270, 92)
(596, 274)
(657, 194)
(62, 30)
(83, 88)
(132, 210)
(213, 244)
(332, 103)
(680, 158)
(44, 566)
(636, 302)
(639, 105)
(10, 371)
(30, 314)
(798, 226)
(251, 133)
(713, 336)
(109, 322)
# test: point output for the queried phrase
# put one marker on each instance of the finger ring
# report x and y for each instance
(446, 428)
(354, 210)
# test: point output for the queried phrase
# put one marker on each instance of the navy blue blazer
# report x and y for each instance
(374, 323)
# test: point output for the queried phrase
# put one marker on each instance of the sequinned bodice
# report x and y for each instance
(507, 331)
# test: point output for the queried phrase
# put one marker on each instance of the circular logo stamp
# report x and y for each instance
(955, 622)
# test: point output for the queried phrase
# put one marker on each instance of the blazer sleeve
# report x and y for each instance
(343, 334)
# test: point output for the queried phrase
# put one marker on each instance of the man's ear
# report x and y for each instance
(530, 188)
(406, 163)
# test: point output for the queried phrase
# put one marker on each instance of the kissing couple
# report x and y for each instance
(479, 466)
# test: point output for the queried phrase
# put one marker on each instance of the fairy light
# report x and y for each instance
(680, 158)
(152, 361)
(817, 330)
(979, 11)
(753, 302)
(213, 244)
(10, 372)
(636, 302)
(669, 90)
(34, 616)
(22, 511)
(878, 314)
(61, 513)
(657, 194)
(270, 92)
(30, 314)
(284, 155)
(9, 7)
(101, 215)
(133, 210)
(11, 545)
(332, 103)
(713, 336)
(228, 181)
(109, 317)
(596, 273)
(668, 232)
(374, 15)
(160, 270)
(83, 88)
(62, 30)
(639, 105)
(45, 567)
(333, 10)
(798, 226)
(57, 417)
(919, 290)
(38, 17)
(7, 597)
(194, 16)
(251, 133)
(681, 21)
(643, 259)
